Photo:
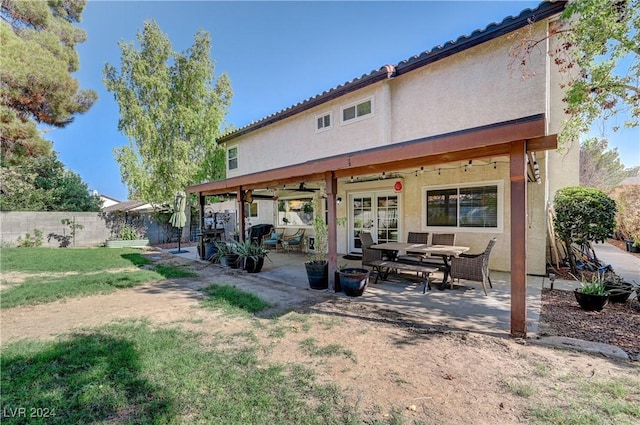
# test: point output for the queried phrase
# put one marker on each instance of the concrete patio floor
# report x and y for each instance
(465, 307)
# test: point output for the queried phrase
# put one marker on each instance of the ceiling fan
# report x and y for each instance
(302, 188)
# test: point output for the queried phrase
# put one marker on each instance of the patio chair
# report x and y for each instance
(273, 240)
(294, 241)
(473, 267)
(443, 239)
(366, 240)
(414, 237)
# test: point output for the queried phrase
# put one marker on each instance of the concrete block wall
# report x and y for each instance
(17, 224)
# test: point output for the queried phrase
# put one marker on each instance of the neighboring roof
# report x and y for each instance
(492, 31)
(109, 198)
(127, 206)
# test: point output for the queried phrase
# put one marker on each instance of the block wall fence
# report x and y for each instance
(16, 224)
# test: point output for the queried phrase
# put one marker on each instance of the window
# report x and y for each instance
(357, 110)
(251, 209)
(232, 158)
(465, 207)
(323, 122)
(295, 212)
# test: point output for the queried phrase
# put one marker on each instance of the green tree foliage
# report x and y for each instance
(600, 167)
(37, 57)
(628, 216)
(583, 215)
(43, 184)
(601, 54)
(172, 110)
(598, 54)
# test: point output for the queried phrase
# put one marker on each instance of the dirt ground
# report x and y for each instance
(390, 361)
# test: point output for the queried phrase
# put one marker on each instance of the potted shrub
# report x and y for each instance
(618, 289)
(317, 266)
(250, 255)
(127, 236)
(592, 295)
(220, 253)
(353, 280)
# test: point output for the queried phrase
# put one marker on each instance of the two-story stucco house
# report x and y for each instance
(450, 140)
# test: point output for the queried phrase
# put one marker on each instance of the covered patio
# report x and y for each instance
(515, 140)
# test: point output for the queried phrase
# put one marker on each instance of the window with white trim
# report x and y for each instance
(232, 158)
(478, 206)
(323, 122)
(357, 111)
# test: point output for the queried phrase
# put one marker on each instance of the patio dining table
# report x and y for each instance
(446, 252)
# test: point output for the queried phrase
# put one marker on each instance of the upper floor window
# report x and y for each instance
(323, 122)
(357, 111)
(232, 158)
(465, 207)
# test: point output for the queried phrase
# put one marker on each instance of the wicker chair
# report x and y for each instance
(366, 240)
(418, 237)
(473, 267)
(273, 240)
(443, 239)
(294, 241)
(369, 256)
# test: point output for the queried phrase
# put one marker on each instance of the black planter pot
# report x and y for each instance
(632, 248)
(253, 265)
(317, 274)
(354, 281)
(591, 302)
(618, 292)
(233, 261)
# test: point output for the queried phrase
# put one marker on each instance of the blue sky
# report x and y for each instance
(276, 54)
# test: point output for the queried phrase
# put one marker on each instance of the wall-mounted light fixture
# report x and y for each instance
(338, 200)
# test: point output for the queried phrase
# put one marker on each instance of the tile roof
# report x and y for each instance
(494, 30)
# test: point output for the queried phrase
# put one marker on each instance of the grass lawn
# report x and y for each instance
(131, 373)
(76, 273)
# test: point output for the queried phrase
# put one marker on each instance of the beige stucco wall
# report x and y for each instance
(473, 88)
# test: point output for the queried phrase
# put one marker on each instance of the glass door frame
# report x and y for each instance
(374, 195)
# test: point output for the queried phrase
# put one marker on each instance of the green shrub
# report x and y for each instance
(583, 215)
(28, 241)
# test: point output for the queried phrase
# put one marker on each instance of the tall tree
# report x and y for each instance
(37, 57)
(172, 109)
(599, 53)
(600, 167)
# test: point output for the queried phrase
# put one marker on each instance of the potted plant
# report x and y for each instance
(127, 236)
(220, 255)
(317, 266)
(353, 280)
(251, 255)
(592, 295)
(618, 289)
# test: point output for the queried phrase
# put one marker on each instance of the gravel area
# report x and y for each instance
(617, 324)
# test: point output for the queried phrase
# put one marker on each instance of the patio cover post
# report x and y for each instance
(518, 175)
(331, 184)
(201, 208)
(240, 218)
